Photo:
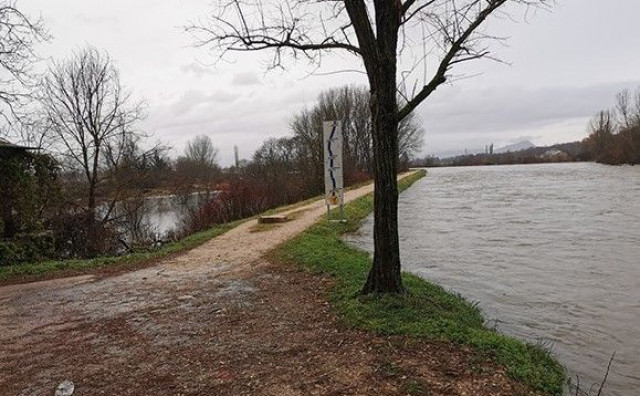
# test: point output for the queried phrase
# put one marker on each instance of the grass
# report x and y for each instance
(311, 200)
(427, 310)
(11, 272)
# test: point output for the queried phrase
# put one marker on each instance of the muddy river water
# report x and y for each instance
(550, 252)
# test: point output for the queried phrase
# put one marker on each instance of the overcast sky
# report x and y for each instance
(565, 65)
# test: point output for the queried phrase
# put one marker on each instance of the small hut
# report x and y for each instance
(8, 149)
(13, 160)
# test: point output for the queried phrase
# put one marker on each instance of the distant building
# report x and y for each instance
(555, 155)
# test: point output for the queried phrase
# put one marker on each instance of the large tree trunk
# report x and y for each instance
(385, 274)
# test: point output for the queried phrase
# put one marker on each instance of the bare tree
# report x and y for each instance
(351, 105)
(601, 135)
(623, 108)
(199, 163)
(614, 135)
(18, 35)
(202, 150)
(378, 32)
(90, 117)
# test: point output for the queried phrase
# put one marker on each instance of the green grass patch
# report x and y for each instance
(309, 201)
(41, 268)
(427, 310)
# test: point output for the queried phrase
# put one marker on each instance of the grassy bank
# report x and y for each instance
(426, 311)
(43, 269)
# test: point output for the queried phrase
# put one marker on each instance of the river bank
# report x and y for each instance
(222, 319)
(550, 253)
(428, 312)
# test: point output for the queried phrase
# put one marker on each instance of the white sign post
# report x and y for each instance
(333, 176)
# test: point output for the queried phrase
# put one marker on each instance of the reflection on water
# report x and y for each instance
(551, 252)
(164, 214)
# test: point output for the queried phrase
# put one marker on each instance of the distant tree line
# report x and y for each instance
(301, 156)
(565, 152)
(614, 139)
(614, 136)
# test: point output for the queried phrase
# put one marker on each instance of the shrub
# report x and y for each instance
(80, 235)
(27, 248)
(37, 246)
(10, 253)
(235, 199)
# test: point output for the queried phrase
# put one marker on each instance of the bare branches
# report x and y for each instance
(606, 375)
(89, 115)
(299, 28)
(455, 26)
(420, 9)
(18, 35)
(451, 31)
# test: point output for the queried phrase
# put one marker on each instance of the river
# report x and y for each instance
(551, 253)
(162, 215)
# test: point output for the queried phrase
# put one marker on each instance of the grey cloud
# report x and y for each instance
(196, 112)
(247, 131)
(95, 20)
(192, 99)
(460, 111)
(558, 48)
(247, 121)
(246, 79)
(197, 69)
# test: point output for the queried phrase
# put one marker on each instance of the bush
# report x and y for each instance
(236, 199)
(37, 246)
(80, 235)
(10, 253)
(27, 248)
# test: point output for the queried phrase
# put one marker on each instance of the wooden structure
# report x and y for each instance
(10, 155)
(8, 149)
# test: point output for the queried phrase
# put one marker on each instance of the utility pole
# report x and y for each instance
(237, 156)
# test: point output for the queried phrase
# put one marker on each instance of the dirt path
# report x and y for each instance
(27, 307)
(215, 320)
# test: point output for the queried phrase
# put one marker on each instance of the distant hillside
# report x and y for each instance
(512, 148)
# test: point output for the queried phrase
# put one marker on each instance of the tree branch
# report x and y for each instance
(242, 26)
(451, 56)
